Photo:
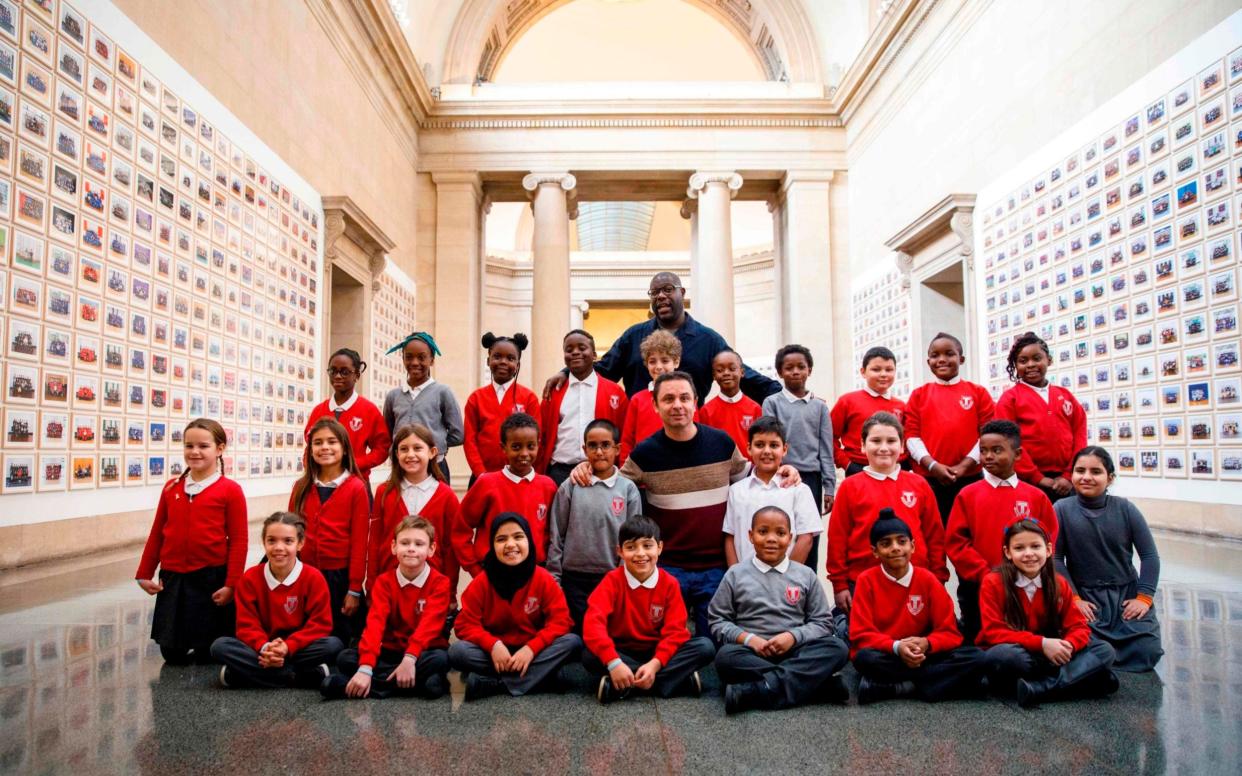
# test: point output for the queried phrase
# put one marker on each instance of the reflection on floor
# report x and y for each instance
(83, 690)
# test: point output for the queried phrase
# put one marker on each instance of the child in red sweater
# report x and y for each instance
(332, 499)
(731, 411)
(635, 631)
(198, 541)
(513, 628)
(861, 499)
(942, 421)
(1052, 422)
(661, 353)
(584, 397)
(488, 406)
(403, 647)
(415, 487)
(284, 622)
(368, 434)
(515, 488)
(879, 368)
(982, 512)
(903, 638)
(1041, 645)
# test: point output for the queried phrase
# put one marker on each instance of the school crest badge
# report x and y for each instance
(793, 594)
(618, 506)
(1067, 407)
(355, 424)
(422, 602)
(657, 613)
(1021, 510)
(532, 605)
(914, 604)
(519, 407)
(614, 401)
(908, 499)
(291, 604)
(966, 402)
(746, 421)
(541, 513)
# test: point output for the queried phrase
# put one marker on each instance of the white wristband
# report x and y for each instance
(746, 641)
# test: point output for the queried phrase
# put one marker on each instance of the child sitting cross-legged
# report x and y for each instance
(771, 615)
(635, 631)
(903, 638)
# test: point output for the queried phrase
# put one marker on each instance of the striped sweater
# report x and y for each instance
(687, 489)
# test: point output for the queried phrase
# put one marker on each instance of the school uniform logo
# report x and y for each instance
(1021, 510)
(614, 401)
(355, 424)
(914, 604)
(793, 594)
(909, 499)
(746, 421)
(1067, 407)
(421, 603)
(657, 613)
(618, 506)
(291, 604)
(532, 605)
(541, 512)
(966, 402)
(519, 407)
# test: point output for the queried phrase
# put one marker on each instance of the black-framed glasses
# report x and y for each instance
(662, 291)
(341, 371)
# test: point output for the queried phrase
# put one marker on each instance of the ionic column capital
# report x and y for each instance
(534, 180)
(689, 208)
(700, 180)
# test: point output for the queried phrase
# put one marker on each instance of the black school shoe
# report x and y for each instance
(479, 687)
(333, 688)
(873, 692)
(747, 696)
(435, 687)
(833, 690)
(312, 678)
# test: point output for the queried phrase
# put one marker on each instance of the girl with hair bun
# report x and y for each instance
(368, 434)
(488, 406)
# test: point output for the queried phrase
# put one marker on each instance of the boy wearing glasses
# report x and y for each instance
(582, 547)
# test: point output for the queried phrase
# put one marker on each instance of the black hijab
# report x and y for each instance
(508, 580)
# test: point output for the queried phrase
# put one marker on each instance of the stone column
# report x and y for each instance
(808, 267)
(551, 195)
(577, 314)
(712, 292)
(458, 282)
(690, 212)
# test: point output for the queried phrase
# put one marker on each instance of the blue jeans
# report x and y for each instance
(697, 589)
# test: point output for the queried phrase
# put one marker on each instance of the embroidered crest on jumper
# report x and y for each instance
(421, 603)
(909, 499)
(746, 421)
(355, 424)
(618, 506)
(1021, 509)
(532, 604)
(914, 604)
(966, 402)
(614, 401)
(1067, 407)
(657, 612)
(519, 407)
(793, 594)
(541, 512)
(291, 603)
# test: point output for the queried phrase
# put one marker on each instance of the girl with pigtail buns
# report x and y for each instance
(488, 406)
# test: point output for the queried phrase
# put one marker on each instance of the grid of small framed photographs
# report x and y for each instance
(392, 317)
(1124, 257)
(881, 315)
(150, 271)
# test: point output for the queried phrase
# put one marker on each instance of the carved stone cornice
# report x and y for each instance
(343, 218)
(631, 122)
(952, 215)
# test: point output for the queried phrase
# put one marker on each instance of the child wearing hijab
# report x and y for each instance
(514, 624)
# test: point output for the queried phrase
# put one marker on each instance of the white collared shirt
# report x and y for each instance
(336, 483)
(764, 568)
(417, 581)
(750, 494)
(501, 389)
(875, 395)
(905, 580)
(577, 410)
(996, 482)
(789, 397)
(875, 475)
(193, 487)
(734, 399)
(952, 381)
(417, 495)
(333, 407)
(1041, 390)
(609, 481)
(414, 392)
(529, 476)
(1029, 585)
(273, 582)
(649, 583)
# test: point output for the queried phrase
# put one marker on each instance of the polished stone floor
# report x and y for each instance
(83, 691)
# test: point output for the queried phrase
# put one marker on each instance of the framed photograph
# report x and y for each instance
(83, 477)
(6, 154)
(99, 84)
(25, 296)
(6, 199)
(66, 184)
(68, 143)
(1175, 463)
(1211, 80)
(9, 16)
(1173, 430)
(19, 429)
(109, 471)
(8, 64)
(114, 357)
(18, 473)
(55, 392)
(1212, 115)
(86, 352)
(1203, 464)
(135, 467)
(53, 430)
(1227, 391)
(1185, 164)
(110, 432)
(101, 48)
(113, 394)
(1225, 322)
(24, 340)
(53, 472)
(1223, 286)
(30, 209)
(36, 82)
(85, 391)
(59, 307)
(21, 381)
(85, 431)
(8, 109)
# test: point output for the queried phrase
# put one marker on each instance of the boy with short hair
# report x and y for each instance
(903, 638)
(974, 538)
(731, 411)
(762, 488)
(635, 632)
(879, 369)
(661, 353)
(403, 648)
(771, 616)
(515, 488)
(585, 520)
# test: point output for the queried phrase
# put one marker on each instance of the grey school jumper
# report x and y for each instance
(435, 407)
(808, 431)
(768, 604)
(583, 529)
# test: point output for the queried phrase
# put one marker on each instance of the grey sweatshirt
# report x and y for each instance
(435, 407)
(769, 603)
(1096, 542)
(584, 525)
(808, 429)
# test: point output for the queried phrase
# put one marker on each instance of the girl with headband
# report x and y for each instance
(422, 400)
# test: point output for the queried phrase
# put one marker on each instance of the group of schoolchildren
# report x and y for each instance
(357, 593)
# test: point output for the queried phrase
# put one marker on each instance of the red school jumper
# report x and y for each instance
(492, 494)
(996, 630)
(441, 510)
(848, 416)
(975, 535)
(405, 619)
(641, 421)
(610, 404)
(537, 615)
(366, 428)
(1052, 431)
(336, 531)
(194, 533)
(297, 611)
(639, 620)
(858, 503)
(884, 611)
(947, 417)
(733, 418)
(483, 416)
